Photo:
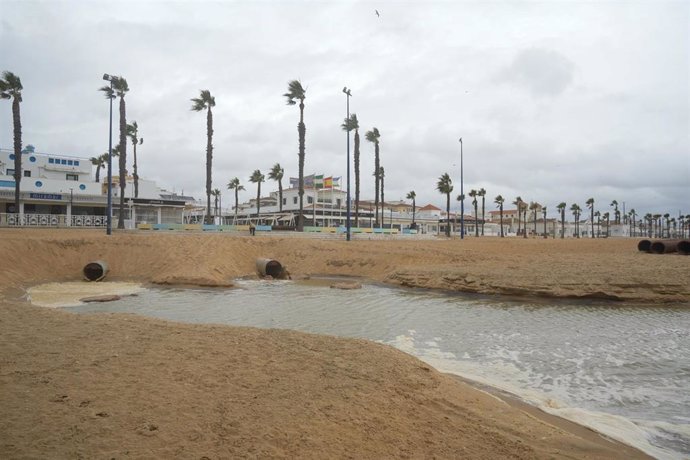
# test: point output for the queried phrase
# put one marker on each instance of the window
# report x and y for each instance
(76, 163)
(310, 200)
(72, 176)
(64, 162)
(27, 173)
(51, 160)
(70, 162)
(294, 198)
(10, 172)
(284, 201)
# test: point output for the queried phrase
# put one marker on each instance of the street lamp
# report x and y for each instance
(348, 94)
(462, 198)
(109, 222)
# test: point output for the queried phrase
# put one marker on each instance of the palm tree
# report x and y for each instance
(499, 201)
(590, 205)
(205, 102)
(133, 133)
(473, 194)
(482, 194)
(616, 212)
(297, 92)
(543, 212)
(216, 194)
(353, 124)
(668, 226)
(119, 89)
(11, 88)
(413, 196)
(648, 224)
(518, 203)
(561, 208)
(607, 218)
(99, 162)
(373, 136)
(597, 214)
(632, 215)
(445, 185)
(534, 207)
(276, 173)
(576, 213)
(234, 184)
(257, 178)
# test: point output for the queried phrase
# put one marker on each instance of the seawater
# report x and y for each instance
(622, 370)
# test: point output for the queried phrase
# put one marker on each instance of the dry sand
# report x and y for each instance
(111, 386)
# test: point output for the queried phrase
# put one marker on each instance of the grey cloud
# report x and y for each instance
(542, 72)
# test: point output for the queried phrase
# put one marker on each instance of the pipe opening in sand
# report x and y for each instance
(271, 267)
(644, 246)
(664, 246)
(95, 271)
(684, 247)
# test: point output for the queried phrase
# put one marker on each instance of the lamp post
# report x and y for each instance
(347, 95)
(109, 211)
(462, 198)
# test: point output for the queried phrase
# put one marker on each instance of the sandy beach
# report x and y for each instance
(116, 385)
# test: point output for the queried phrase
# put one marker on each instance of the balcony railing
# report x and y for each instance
(51, 220)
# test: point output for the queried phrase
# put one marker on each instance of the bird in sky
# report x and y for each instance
(377, 13)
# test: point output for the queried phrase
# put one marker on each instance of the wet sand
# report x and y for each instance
(119, 385)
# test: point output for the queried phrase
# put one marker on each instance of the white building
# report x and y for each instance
(59, 190)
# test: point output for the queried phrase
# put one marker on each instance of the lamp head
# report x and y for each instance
(107, 77)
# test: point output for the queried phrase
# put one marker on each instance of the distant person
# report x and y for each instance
(252, 229)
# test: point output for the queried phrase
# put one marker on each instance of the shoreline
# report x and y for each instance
(439, 404)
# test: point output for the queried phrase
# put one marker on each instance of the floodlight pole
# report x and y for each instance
(109, 211)
(348, 93)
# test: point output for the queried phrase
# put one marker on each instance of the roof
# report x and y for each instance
(429, 207)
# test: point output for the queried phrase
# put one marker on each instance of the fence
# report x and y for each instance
(51, 220)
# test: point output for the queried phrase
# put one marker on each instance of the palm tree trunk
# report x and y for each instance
(356, 155)
(209, 162)
(414, 209)
(483, 203)
(383, 218)
(258, 201)
(134, 167)
(17, 121)
(448, 214)
(501, 214)
(122, 163)
(301, 129)
(476, 221)
(236, 196)
(376, 177)
(280, 195)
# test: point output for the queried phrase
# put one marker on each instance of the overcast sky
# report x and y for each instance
(555, 101)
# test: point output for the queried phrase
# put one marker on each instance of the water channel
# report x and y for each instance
(623, 370)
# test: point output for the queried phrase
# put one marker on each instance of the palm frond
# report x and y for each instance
(11, 82)
(295, 92)
(108, 91)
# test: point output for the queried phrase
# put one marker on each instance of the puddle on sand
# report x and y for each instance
(56, 295)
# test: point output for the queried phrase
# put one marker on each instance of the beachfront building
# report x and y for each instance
(61, 191)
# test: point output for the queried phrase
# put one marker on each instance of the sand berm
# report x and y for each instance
(124, 386)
